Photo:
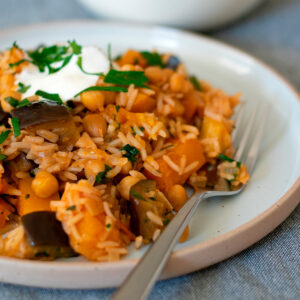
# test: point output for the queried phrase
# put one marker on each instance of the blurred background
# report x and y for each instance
(267, 29)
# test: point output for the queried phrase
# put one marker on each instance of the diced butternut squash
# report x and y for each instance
(132, 57)
(212, 128)
(143, 103)
(28, 202)
(193, 104)
(193, 151)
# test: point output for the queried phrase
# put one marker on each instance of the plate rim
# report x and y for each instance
(229, 243)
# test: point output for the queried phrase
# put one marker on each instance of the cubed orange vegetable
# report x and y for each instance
(212, 128)
(193, 151)
(193, 104)
(5, 211)
(28, 202)
(132, 57)
(143, 103)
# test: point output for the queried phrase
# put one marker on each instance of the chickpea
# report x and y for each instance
(109, 97)
(177, 82)
(126, 168)
(44, 184)
(95, 125)
(184, 235)
(156, 74)
(93, 167)
(92, 100)
(177, 196)
(126, 184)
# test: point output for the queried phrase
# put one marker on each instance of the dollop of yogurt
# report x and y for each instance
(68, 81)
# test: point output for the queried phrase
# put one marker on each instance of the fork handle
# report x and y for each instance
(140, 281)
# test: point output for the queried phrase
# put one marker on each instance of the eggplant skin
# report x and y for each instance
(43, 229)
(40, 112)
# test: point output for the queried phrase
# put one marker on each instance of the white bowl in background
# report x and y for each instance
(191, 14)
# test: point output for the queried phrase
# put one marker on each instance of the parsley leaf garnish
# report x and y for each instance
(131, 153)
(2, 156)
(72, 207)
(152, 58)
(118, 108)
(22, 103)
(103, 88)
(17, 63)
(101, 175)
(195, 82)
(126, 78)
(79, 64)
(75, 47)
(109, 55)
(4, 135)
(16, 126)
(12, 101)
(48, 96)
(23, 88)
(226, 158)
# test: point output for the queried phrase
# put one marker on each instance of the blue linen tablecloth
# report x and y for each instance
(271, 268)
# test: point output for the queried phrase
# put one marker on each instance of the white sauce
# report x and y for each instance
(69, 80)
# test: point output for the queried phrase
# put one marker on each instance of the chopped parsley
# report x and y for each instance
(2, 156)
(118, 108)
(102, 175)
(12, 101)
(226, 158)
(79, 64)
(43, 57)
(141, 128)
(132, 130)
(23, 102)
(17, 63)
(72, 207)
(109, 55)
(166, 221)
(48, 96)
(4, 135)
(136, 195)
(103, 88)
(131, 153)
(75, 47)
(16, 126)
(195, 82)
(27, 196)
(119, 125)
(152, 58)
(126, 78)
(23, 88)
(108, 225)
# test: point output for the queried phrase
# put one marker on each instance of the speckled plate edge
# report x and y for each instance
(190, 259)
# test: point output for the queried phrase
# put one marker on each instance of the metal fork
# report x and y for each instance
(140, 281)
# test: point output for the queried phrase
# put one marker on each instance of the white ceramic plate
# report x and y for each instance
(221, 227)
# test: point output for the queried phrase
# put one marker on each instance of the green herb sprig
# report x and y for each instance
(131, 153)
(224, 157)
(48, 96)
(195, 83)
(102, 175)
(4, 135)
(153, 58)
(16, 126)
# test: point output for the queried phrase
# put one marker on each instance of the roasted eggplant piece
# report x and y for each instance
(144, 198)
(3, 117)
(173, 62)
(46, 235)
(40, 112)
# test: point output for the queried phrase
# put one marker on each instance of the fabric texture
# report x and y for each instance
(270, 269)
